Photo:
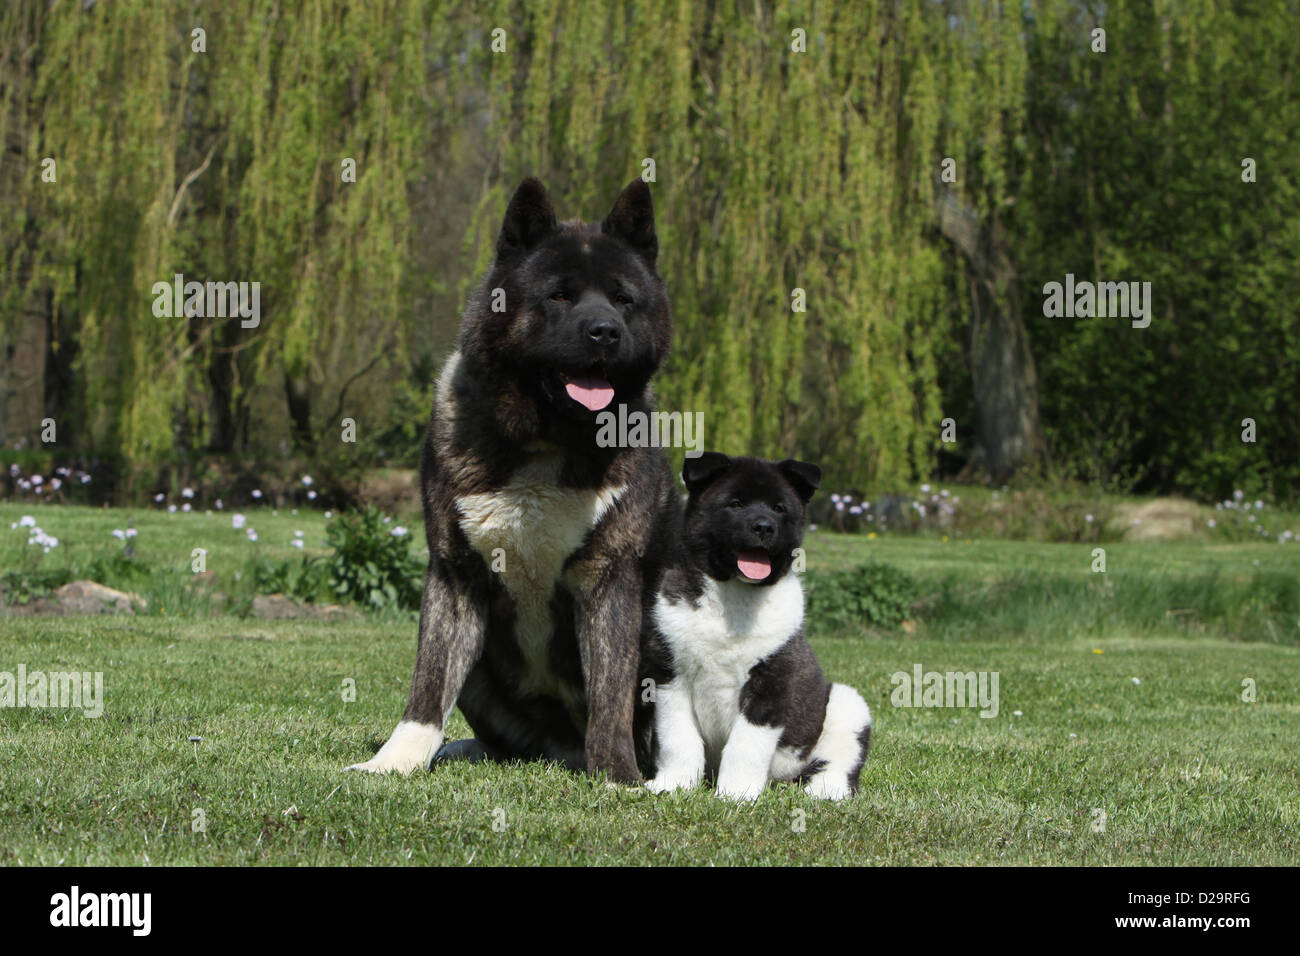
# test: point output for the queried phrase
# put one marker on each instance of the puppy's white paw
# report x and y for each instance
(410, 747)
(826, 787)
(739, 792)
(667, 782)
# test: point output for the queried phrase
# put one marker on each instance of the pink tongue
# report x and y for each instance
(755, 568)
(592, 393)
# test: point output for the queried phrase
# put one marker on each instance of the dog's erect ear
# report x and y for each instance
(529, 218)
(697, 471)
(803, 477)
(633, 220)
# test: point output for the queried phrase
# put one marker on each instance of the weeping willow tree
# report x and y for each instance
(793, 148)
(253, 141)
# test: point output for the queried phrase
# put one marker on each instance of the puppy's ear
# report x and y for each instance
(803, 477)
(633, 220)
(696, 472)
(529, 218)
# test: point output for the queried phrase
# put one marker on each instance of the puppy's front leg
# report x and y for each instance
(747, 760)
(609, 629)
(680, 761)
(451, 640)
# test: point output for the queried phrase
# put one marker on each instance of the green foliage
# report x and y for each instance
(307, 578)
(871, 595)
(27, 584)
(371, 565)
(775, 170)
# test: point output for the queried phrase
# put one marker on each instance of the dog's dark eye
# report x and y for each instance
(779, 508)
(622, 298)
(735, 503)
(559, 295)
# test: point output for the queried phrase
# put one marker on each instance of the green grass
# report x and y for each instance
(1185, 771)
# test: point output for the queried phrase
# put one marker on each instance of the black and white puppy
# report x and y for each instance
(738, 690)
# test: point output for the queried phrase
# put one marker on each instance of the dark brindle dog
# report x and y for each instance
(544, 548)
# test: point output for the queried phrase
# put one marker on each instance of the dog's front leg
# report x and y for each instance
(609, 628)
(451, 640)
(746, 762)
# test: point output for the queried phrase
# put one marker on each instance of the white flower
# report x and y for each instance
(158, 497)
(1210, 523)
(1018, 713)
(943, 493)
(1088, 518)
(252, 535)
(220, 504)
(257, 492)
(171, 509)
(37, 480)
(839, 506)
(311, 496)
(187, 492)
(925, 489)
(119, 534)
(186, 507)
(1238, 494)
(329, 514)
(1136, 680)
(398, 532)
(237, 521)
(130, 532)
(27, 521)
(56, 483)
(855, 510)
(1259, 505)
(85, 479)
(297, 534)
(835, 497)
(297, 543)
(306, 480)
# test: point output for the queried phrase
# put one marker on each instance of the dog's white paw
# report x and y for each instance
(740, 793)
(411, 747)
(667, 782)
(827, 787)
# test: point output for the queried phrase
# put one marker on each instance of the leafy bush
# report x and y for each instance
(22, 586)
(877, 595)
(372, 564)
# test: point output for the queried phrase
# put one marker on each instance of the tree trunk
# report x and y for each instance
(1009, 434)
(298, 395)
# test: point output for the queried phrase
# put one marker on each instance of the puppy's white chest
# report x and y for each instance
(716, 643)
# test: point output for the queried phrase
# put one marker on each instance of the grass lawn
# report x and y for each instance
(1184, 770)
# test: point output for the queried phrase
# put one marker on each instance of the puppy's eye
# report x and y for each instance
(559, 295)
(735, 503)
(779, 507)
(622, 298)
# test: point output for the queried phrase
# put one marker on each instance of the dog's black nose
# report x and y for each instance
(763, 527)
(604, 332)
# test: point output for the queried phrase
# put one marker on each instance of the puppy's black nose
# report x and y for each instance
(604, 332)
(763, 527)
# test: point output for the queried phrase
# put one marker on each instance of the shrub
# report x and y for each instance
(372, 564)
(877, 595)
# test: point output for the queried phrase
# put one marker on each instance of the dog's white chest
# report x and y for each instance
(525, 531)
(716, 642)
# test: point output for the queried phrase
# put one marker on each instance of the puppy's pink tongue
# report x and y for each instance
(756, 567)
(592, 393)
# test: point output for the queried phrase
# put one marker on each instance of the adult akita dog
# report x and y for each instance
(544, 547)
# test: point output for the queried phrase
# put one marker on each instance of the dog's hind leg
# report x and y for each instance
(842, 747)
(452, 622)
